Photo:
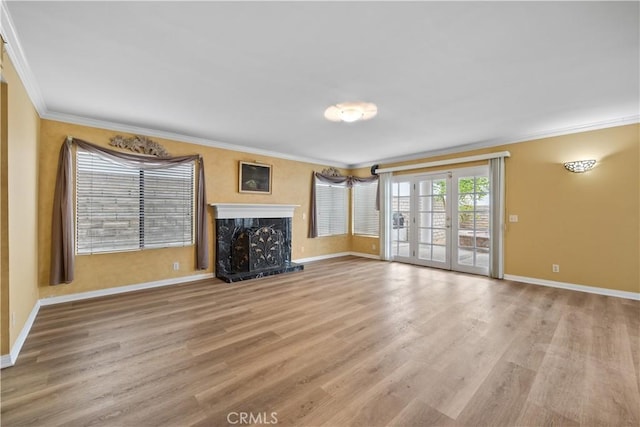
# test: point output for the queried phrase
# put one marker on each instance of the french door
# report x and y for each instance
(421, 220)
(442, 220)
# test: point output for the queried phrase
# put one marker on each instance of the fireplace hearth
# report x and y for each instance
(253, 241)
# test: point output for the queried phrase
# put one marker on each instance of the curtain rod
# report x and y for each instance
(445, 162)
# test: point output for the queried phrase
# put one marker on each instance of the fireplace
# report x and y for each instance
(253, 241)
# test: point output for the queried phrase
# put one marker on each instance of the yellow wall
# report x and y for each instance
(4, 224)
(23, 130)
(587, 223)
(291, 185)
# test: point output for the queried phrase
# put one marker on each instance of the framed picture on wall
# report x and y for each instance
(255, 178)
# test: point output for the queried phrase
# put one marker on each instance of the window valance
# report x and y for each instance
(347, 180)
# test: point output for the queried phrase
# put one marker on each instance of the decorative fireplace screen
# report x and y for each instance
(256, 249)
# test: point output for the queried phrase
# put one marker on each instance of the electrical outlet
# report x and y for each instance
(13, 319)
(176, 266)
(555, 268)
(513, 218)
(373, 246)
(301, 249)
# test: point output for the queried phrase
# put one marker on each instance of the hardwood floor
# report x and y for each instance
(348, 341)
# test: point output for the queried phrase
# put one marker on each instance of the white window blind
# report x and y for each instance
(365, 215)
(331, 209)
(121, 208)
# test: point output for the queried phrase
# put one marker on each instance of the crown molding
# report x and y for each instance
(137, 130)
(120, 127)
(586, 127)
(19, 60)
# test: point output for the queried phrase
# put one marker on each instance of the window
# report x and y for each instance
(365, 215)
(331, 208)
(121, 208)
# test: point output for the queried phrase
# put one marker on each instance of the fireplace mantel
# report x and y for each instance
(247, 210)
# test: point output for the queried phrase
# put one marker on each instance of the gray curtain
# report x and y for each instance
(62, 235)
(318, 177)
(202, 224)
(386, 215)
(496, 227)
(62, 229)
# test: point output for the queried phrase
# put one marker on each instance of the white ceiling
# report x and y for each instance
(259, 75)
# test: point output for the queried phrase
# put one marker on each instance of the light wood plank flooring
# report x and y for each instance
(348, 341)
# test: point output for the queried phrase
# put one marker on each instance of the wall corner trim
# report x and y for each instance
(5, 361)
(574, 287)
(10, 359)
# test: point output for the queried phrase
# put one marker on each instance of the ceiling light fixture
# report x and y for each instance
(580, 166)
(351, 112)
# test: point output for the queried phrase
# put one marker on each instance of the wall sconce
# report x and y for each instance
(580, 166)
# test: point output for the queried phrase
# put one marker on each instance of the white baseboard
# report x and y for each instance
(574, 287)
(335, 255)
(7, 360)
(122, 289)
(363, 255)
(321, 257)
(10, 359)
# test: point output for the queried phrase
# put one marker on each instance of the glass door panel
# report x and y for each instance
(432, 220)
(471, 228)
(400, 229)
